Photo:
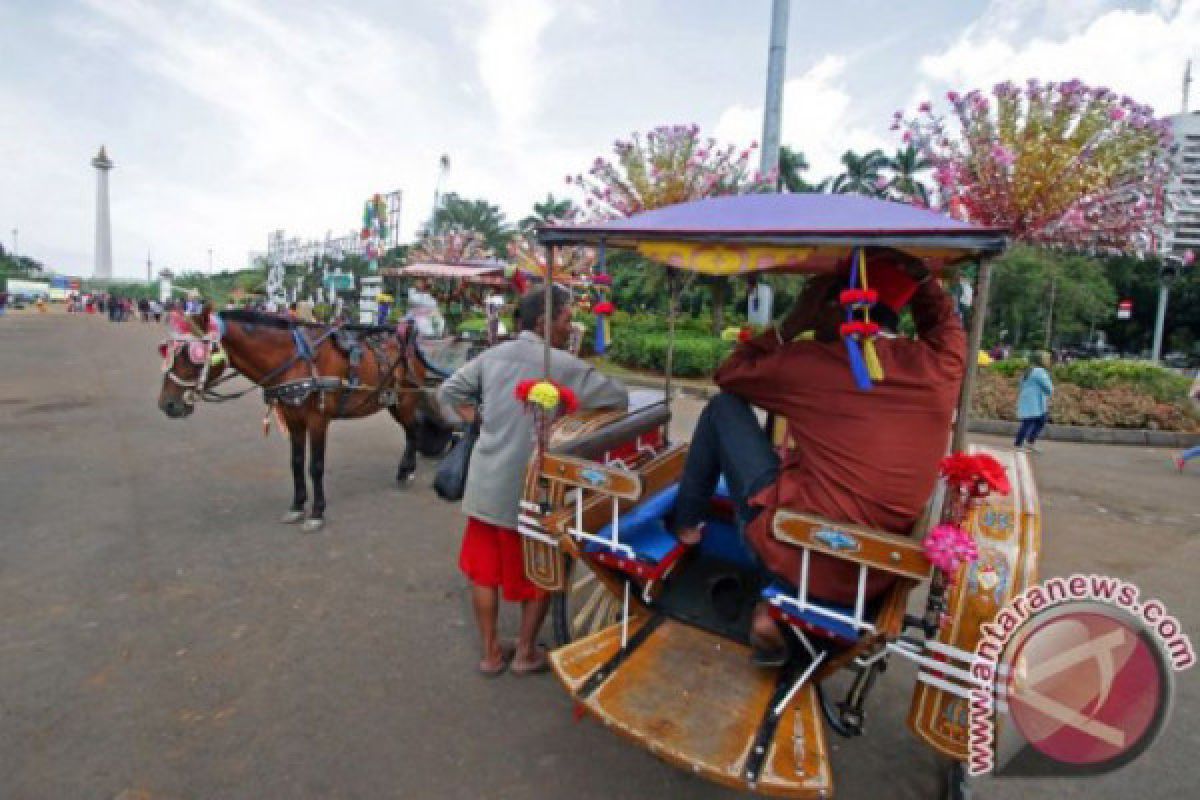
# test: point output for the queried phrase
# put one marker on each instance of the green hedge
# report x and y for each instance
(1162, 384)
(695, 356)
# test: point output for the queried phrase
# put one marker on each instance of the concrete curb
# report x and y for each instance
(1074, 433)
(998, 427)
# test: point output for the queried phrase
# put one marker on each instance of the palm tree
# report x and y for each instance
(549, 210)
(905, 166)
(791, 164)
(457, 213)
(861, 174)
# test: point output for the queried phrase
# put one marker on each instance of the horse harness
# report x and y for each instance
(201, 349)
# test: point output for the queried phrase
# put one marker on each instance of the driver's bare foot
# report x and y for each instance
(690, 536)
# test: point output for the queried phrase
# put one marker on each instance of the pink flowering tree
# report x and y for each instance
(668, 165)
(1058, 164)
(453, 245)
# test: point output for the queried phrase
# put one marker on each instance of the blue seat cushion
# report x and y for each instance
(813, 616)
(642, 528)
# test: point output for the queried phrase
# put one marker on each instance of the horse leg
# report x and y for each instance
(407, 471)
(317, 429)
(296, 434)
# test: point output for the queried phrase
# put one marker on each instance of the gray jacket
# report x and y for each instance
(497, 471)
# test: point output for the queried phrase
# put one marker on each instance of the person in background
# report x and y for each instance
(3, 303)
(484, 390)
(1033, 402)
(1192, 452)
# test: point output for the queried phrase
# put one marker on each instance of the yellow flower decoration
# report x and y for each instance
(545, 394)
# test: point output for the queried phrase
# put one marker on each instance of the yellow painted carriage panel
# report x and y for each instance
(1007, 530)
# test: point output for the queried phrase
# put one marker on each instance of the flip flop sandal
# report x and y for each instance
(538, 667)
(507, 651)
(770, 658)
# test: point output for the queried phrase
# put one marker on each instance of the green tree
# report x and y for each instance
(457, 213)
(1046, 298)
(906, 165)
(792, 165)
(549, 210)
(861, 174)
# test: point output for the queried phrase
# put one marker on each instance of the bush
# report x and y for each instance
(1118, 406)
(473, 325)
(1009, 366)
(1163, 385)
(695, 356)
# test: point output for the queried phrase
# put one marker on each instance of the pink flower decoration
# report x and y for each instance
(1003, 156)
(925, 107)
(1116, 114)
(948, 546)
(1189, 256)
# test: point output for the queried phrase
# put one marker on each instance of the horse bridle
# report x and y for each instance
(177, 343)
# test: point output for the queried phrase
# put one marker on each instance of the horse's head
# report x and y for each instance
(192, 360)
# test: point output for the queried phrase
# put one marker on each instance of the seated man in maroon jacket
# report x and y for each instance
(864, 457)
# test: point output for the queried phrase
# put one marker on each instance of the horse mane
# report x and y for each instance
(248, 317)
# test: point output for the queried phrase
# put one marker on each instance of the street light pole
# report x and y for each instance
(773, 106)
(16, 250)
(1159, 320)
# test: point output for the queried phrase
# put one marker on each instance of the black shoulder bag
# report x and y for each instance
(451, 480)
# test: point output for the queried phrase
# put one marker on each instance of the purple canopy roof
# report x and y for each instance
(810, 218)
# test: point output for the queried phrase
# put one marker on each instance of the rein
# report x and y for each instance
(304, 350)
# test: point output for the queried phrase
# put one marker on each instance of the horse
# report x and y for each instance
(310, 374)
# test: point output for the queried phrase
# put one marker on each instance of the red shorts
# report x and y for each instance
(491, 556)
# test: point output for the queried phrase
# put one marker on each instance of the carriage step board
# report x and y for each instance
(695, 700)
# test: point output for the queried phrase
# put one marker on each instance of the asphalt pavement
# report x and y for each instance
(162, 637)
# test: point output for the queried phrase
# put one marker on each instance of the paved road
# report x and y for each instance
(161, 636)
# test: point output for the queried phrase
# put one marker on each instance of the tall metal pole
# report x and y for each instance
(16, 250)
(979, 307)
(1160, 319)
(548, 314)
(773, 106)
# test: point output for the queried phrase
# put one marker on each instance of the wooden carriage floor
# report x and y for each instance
(695, 700)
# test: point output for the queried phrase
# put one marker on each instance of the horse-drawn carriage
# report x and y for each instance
(652, 634)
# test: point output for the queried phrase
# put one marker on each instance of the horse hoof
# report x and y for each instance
(312, 525)
(406, 478)
(292, 517)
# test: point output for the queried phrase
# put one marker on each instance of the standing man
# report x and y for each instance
(484, 391)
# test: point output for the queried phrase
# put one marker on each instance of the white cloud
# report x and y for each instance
(509, 60)
(819, 118)
(1139, 53)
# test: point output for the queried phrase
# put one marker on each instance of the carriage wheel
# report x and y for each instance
(585, 607)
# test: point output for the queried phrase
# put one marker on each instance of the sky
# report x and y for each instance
(228, 119)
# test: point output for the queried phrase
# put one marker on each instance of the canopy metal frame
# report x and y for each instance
(981, 245)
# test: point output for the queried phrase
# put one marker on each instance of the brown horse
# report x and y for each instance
(310, 374)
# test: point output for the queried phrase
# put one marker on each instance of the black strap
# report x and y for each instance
(597, 678)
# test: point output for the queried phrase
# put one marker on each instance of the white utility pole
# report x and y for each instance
(1160, 317)
(773, 106)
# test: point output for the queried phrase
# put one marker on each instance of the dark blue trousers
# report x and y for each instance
(727, 441)
(1031, 428)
